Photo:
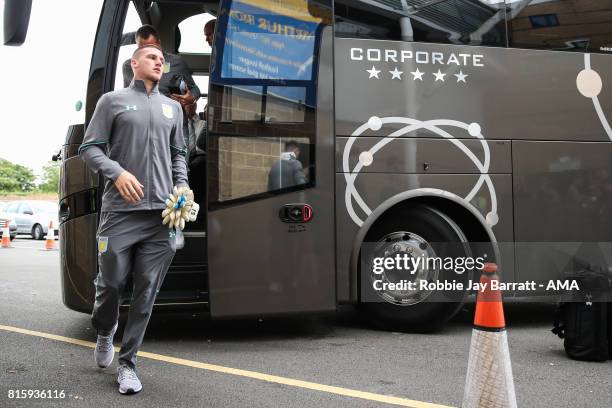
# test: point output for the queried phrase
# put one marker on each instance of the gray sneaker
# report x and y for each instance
(128, 380)
(104, 351)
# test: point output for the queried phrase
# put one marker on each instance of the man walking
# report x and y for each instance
(135, 140)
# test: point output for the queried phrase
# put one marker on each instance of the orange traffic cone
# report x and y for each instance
(489, 381)
(6, 235)
(50, 242)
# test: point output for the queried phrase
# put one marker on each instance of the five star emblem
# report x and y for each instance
(417, 74)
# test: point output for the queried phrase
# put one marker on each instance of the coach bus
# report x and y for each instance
(423, 128)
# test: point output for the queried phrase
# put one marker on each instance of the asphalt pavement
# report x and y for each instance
(315, 359)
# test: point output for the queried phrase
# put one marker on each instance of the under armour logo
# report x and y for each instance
(130, 107)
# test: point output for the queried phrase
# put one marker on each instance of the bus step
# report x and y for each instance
(192, 300)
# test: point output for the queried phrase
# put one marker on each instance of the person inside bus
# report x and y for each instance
(209, 31)
(209, 36)
(197, 121)
(175, 70)
(288, 171)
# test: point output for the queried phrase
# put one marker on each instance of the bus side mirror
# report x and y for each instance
(16, 21)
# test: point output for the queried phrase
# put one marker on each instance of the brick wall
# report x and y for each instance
(244, 164)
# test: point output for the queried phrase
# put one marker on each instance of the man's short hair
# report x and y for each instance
(291, 145)
(211, 23)
(139, 50)
(146, 31)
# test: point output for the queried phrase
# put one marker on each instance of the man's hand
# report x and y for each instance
(180, 208)
(186, 99)
(190, 110)
(129, 187)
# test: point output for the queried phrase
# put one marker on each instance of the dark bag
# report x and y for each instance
(585, 321)
(584, 330)
(177, 85)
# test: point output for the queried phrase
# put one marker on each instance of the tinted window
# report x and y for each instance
(473, 22)
(202, 83)
(270, 44)
(128, 46)
(561, 25)
(192, 37)
(263, 98)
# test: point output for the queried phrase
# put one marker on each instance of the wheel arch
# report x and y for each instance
(464, 214)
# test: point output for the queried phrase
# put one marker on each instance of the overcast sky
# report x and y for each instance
(42, 80)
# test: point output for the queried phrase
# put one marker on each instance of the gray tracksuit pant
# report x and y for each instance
(137, 243)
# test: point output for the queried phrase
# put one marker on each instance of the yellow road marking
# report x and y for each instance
(387, 399)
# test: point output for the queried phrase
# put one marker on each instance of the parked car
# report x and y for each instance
(32, 217)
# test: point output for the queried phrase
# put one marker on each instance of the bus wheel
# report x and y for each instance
(411, 234)
(37, 232)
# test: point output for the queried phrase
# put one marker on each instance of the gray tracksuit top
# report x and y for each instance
(142, 134)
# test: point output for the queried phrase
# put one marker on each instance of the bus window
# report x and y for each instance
(468, 22)
(243, 103)
(252, 166)
(263, 98)
(128, 46)
(202, 83)
(195, 51)
(561, 25)
(285, 104)
(192, 40)
(282, 104)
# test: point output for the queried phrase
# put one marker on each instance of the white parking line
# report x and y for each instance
(21, 246)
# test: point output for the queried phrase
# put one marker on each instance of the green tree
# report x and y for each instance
(14, 177)
(50, 177)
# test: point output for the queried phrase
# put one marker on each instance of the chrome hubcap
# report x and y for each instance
(410, 252)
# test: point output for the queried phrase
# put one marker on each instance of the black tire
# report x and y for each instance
(419, 311)
(12, 237)
(37, 232)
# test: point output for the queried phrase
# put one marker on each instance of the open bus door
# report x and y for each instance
(271, 155)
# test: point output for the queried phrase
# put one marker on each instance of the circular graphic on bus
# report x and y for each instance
(366, 158)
